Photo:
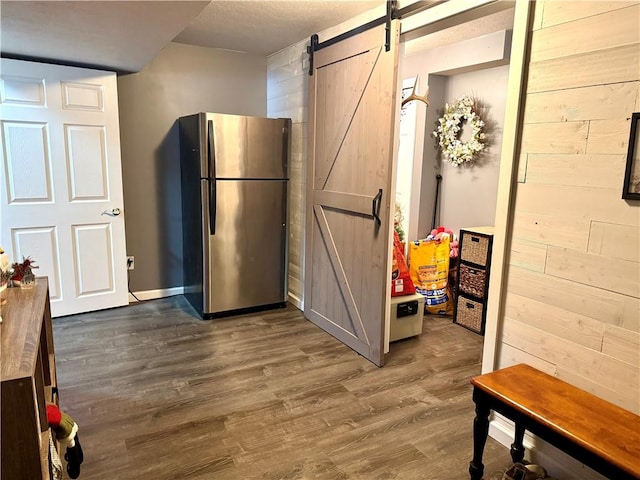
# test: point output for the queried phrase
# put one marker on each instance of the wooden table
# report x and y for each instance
(599, 434)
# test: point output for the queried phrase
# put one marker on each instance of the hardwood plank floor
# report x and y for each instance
(160, 394)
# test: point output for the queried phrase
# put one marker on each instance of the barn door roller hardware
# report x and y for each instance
(393, 12)
(314, 45)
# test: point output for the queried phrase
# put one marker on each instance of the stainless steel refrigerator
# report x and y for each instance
(234, 212)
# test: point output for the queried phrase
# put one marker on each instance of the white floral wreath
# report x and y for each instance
(448, 131)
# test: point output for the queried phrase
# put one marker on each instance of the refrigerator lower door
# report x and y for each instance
(246, 259)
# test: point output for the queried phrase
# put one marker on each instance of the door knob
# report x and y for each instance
(114, 212)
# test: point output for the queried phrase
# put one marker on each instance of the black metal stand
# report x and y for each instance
(435, 205)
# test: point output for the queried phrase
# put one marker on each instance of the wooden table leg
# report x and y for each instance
(517, 449)
(480, 432)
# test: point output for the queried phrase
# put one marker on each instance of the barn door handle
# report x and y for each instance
(375, 207)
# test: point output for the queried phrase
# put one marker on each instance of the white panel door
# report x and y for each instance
(61, 187)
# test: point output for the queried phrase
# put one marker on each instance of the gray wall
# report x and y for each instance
(468, 195)
(181, 80)
(431, 161)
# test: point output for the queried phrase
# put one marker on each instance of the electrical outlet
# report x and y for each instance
(130, 262)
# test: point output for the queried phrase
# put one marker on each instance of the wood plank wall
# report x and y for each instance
(573, 283)
(287, 87)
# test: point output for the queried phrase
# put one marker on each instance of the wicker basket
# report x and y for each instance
(472, 280)
(475, 249)
(469, 314)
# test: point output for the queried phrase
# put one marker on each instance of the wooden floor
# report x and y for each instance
(159, 394)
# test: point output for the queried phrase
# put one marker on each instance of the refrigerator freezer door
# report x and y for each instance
(245, 261)
(250, 147)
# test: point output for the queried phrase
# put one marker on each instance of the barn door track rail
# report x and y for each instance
(393, 12)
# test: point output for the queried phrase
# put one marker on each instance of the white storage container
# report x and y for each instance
(407, 312)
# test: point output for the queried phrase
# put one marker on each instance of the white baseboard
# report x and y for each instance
(169, 292)
(159, 293)
(556, 462)
(296, 302)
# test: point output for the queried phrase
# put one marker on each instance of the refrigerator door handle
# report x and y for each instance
(211, 154)
(212, 178)
(212, 206)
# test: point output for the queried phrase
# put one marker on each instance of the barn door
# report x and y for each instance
(352, 104)
(61, 181)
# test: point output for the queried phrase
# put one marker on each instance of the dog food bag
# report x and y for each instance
(429, 270)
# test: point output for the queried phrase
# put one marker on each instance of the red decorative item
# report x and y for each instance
(65, 430)
(401, 283)
(22, 269)
(54, 415)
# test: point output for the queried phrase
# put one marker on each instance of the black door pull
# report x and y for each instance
(375, 207)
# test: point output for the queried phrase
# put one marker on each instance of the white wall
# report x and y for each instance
(462, 68)
(468, 194)
(405, 178)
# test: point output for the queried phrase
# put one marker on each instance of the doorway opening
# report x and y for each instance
(467, 59)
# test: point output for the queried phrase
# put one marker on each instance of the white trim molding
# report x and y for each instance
(507, 179)
(153, 294)
(295, 301)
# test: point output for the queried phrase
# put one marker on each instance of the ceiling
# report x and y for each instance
(125, 35)
(267, 26)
